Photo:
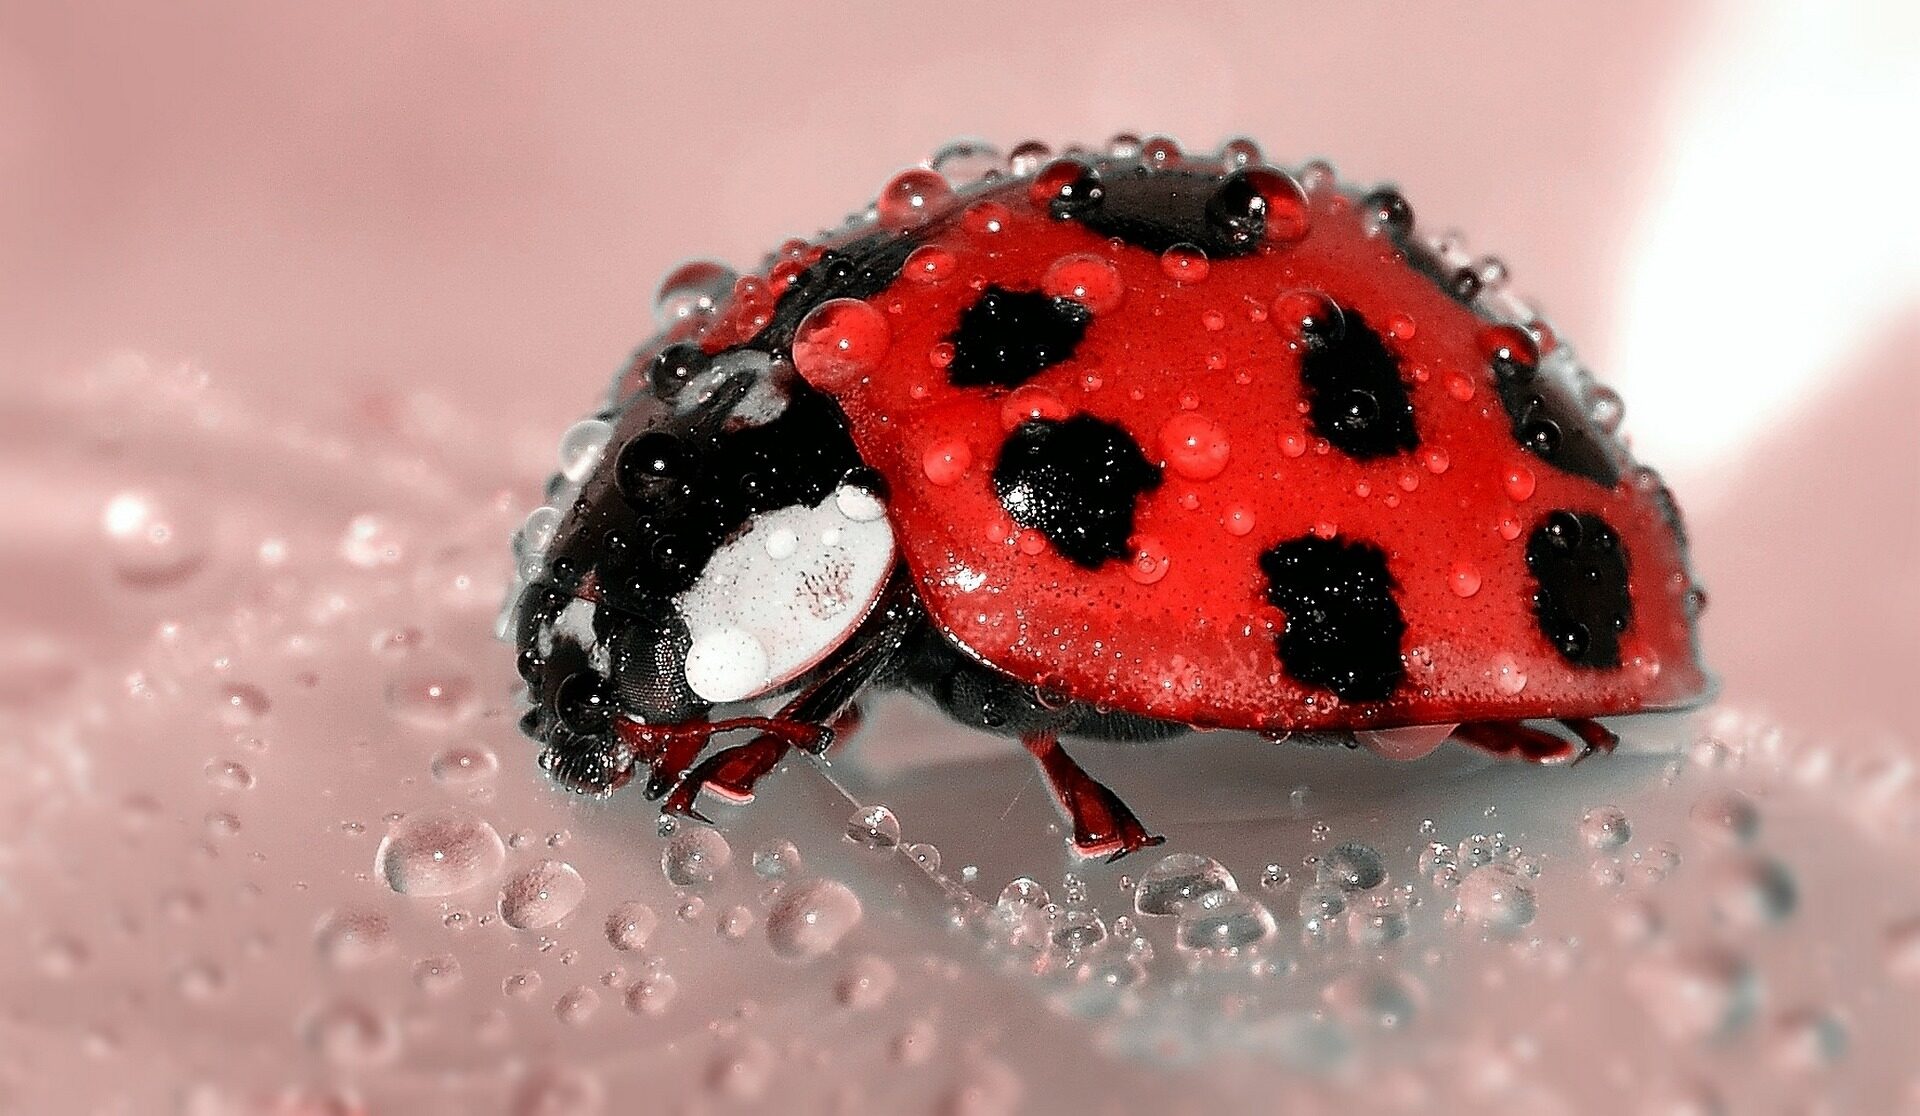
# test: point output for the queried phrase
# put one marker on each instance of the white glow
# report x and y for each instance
(1782, 241)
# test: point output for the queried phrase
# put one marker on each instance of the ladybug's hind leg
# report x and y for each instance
(1102, 824)
(1511, 738)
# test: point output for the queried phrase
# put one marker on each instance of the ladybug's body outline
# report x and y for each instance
(1113, 447)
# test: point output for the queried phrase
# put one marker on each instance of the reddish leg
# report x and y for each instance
(1511, 738)
(669, 750)
(1101, 822)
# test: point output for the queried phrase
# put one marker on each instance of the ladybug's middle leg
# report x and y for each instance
(1101, 822)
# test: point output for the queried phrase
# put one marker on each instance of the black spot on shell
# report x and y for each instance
(1157, 209)
(1076, 481)
(1008, 337)
(1581, 599)
(1549, 423)
(1356, 399)
(1343, 625)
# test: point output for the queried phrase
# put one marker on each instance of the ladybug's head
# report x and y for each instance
(726, 541)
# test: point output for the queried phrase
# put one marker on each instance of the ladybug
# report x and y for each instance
(1119, 445)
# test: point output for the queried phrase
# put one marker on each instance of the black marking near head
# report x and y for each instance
(859, 269)
(1343, 625)
(1008, 337)
(1549, 423)
(1355, 397)
(1075, 481)
(1581, 599)
(1157, 209)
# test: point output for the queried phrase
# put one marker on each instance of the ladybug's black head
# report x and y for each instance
(603, 623)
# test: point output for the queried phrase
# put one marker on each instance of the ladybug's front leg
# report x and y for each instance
(1102, 824)
(669, 750)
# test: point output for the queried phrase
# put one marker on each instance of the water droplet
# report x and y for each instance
(692, 290)
(349, 939)
(811, 917)
(1354, 867)
(1727, 817)
(521, 985)
(913, 198)
(1376, 924)
(1240, 152)
(1092, 281)
(153, 543)
(1464, 580)
(743, 1070)
(1178, 879)
(559, 1091)
(433, 692)
(652, 994)
(541, 894)
(1508, 678)
(1498, 897)
(1751, 891)
(577, 1005)
(1605, 828)
(1223, 921)
(1520, 483)
(694, 857)
(1150, 560)
(926, 856)
(464, 763)
(1696, 993)
(630, 924)
(371, 543)
(1185, 263)
(349, 1034)
(437, 976)
(874, 827)
(776, 860)
(439, 852)
(967, 161)
(1194, 446)
(1307, 317)
(946, 461)
(1605, 408)
(929, 264)
(1376, 997)
(866, 984)
(840, 341)
(1386, 213)
(229, 775)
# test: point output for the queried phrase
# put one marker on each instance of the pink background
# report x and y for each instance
(406, 245)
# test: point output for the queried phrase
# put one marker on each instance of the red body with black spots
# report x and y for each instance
(1162, 442)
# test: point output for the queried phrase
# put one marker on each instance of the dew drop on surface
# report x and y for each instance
(581, 447)
(1223, 921)
(695, 289)
(229, 775)
(1194, 446)
(1752, 891)
(912, 198)
(925, 855)
(1727, 817)
(1508, 677)
(1321, 900)
(1092, 281)
(652, 994)
(776, 860)
(577, 1005)
(1605, 828)
(1150, 560)
(743, 1070)
(439, 852)
(1178, 879)
(946, 461)
(965, 161)
(1520, 483)
(1497, 896)
(559, 1091)
(1185, 263)
(541, 895)
(432, 693)
(630, 924)
(348, 938)
(693, 857)
(865, 984)
(1275, 877)
(810, 917)
(1697, 992)
(1464, 580)
(521, 985)
(151, 542)
(1376, 924)
(351, 1035)
(840, 341)
(874, 827)
(438, 975)
(464, 763)
(1353, 867)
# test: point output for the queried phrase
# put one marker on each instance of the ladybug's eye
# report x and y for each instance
(652, 465)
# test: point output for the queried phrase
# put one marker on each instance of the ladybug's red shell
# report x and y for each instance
(1199, 362)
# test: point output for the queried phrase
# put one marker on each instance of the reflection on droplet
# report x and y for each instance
(875, 827)
(541, 895)
(439, 852)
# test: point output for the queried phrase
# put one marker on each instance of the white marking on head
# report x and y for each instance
(784, 593)
(764, 401)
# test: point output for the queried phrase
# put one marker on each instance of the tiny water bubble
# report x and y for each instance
(1353, 866)
(811, 917)
(1076, 929)
(652, 994)
(1605, 828)
(1223, 922)
(541, 895)
(1178, 879)
(1727, 817)
(438, 975)
(1752, 891)
(777, 859)
(463, 763)
(350, 938)
(1497, 897)
(865, 984)
(521, 985)
(925, 855)
(693, 858)
(1275, 877)
(630, 924)
(577, 1005)
(439, 852)
(874, 827)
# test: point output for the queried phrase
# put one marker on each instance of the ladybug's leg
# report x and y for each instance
(1511, 738)
(670, 749)
(802, 722)
(1101, 822)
